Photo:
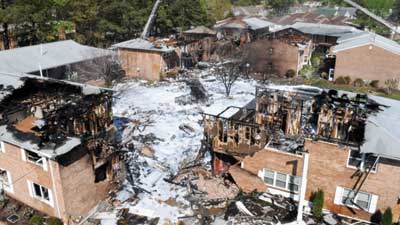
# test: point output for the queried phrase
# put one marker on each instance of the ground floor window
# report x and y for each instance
(363, 200)
(5, 181)
(40, 192)
(281, 180)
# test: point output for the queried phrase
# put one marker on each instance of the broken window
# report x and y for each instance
(40, 192)
(5, 180)
(358, 160)
(34, 158)
(101, 173)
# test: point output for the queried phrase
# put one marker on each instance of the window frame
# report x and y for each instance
(10, 187)
(2, 147)
(356, 206)
(41, 197)
(362, 162)
(288, 180)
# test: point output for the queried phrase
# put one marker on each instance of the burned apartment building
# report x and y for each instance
(344, 144)
(196, 45)
(57, 148)
(279, 52)
(290, 48)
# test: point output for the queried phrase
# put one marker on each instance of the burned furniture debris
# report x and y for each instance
(64, 131)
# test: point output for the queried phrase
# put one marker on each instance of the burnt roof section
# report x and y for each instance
(34, 112)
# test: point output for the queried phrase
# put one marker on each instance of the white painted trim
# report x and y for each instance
(9, 189)
(2, 147)
(30, 186)
(23, 154)
(372, 201)
(373, 204)
(34, 196)
(55, 190)
(44, 164)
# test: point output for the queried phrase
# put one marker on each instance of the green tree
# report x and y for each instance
(318, 203)
(387, 217)
(279, 7)
(396, 11)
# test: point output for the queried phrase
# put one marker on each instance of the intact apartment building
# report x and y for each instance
(367, 56)
(57, 153)
(350, 142)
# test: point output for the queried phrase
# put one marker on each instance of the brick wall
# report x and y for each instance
(22, 171)
(261, 53)
(368, 63)
(80, 193)
(273, 159)
(328, 169)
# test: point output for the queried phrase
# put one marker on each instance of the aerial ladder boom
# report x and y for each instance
(152, 18)
(393, 28)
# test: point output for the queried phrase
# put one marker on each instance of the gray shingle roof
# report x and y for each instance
(142, 44)
(49, 55)
(200, 30)
(324, 29)
(366, 38)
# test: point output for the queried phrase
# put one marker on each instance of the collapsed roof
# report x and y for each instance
(290, 114)
(37, 114)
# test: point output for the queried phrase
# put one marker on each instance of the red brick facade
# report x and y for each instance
(73, 190)
(368, 62)
(327, 170)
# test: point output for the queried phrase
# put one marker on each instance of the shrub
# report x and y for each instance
(358, 82)
(316, 59)
(318, 203)
(53, 221)
(307, 72)
(340, 80)
(374, 83)
(36, 220)
(387, 217)
(347, 79)
(392, 84)
(325, 75)
(290, 73)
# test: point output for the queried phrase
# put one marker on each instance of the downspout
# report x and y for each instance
(303, 189)
(54, 189)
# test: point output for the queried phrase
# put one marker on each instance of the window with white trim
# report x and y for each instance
(363, 200)
(281, 180)
(34, 158)
(40, 192)
(2, 147)
(358, 160)
(5, 180)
